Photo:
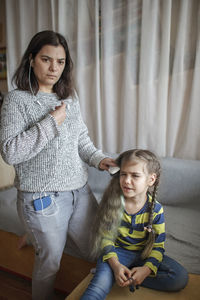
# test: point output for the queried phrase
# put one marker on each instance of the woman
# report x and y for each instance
(44, 137)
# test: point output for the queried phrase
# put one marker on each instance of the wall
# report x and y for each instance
(6, 172)
(3, 83)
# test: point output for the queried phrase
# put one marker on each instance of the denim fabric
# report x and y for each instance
(171, 276)
(70, 213)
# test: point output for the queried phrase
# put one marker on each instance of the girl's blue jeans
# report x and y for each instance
(171, 276)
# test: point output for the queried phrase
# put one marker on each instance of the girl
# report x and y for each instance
(130, 231)
(43, 135)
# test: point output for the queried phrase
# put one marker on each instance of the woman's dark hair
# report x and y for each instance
(64, 87)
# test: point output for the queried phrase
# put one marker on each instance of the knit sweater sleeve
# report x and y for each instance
(18, 141)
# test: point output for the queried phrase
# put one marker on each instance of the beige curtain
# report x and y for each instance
(137, 67)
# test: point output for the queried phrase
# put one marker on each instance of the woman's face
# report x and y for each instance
(48, 66)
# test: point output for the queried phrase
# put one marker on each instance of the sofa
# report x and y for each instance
(179, 192)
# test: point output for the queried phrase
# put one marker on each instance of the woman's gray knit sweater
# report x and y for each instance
(46, 157)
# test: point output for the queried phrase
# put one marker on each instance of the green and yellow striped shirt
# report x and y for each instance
(132, 236)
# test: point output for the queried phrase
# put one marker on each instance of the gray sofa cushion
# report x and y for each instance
(180, 182)
(183, 236)
(9, 220)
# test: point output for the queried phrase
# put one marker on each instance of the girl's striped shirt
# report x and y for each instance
(132, 236)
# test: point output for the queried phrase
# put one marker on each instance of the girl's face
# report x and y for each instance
(135, 179)
(48, 66)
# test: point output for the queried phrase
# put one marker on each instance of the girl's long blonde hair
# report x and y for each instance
(111, 206)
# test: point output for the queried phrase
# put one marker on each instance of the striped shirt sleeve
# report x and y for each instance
(108, 247)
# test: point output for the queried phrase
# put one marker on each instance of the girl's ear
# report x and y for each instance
(152, 179)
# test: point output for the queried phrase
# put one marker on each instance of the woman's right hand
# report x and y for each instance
(59, 113)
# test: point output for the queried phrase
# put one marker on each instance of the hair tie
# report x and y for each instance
(132, 285)
(148, 228)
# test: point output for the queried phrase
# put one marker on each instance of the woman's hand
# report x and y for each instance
(106, 163)
(59, 113)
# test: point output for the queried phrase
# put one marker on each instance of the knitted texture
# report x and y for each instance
(46, 157)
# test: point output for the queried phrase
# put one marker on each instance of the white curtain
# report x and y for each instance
(137, 67)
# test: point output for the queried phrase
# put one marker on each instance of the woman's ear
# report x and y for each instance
(152, 179)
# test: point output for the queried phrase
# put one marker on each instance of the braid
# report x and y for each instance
(150, 231)
(152, 204)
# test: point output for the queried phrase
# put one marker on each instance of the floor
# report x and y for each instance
(13, 287)
(190, 292)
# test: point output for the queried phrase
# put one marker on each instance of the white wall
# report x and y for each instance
(3, 83)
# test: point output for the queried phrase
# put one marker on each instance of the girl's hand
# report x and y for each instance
(59, 113)
(139, 274)
(106, 163)
(121, 272)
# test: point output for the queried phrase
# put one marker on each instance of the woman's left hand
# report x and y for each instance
(106, 163)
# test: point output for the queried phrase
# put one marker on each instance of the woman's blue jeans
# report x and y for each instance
(68, 219)
(171, 276)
